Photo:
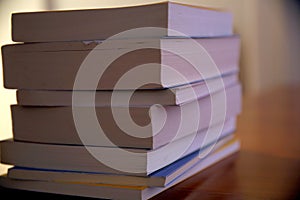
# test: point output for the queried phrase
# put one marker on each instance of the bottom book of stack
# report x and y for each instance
(118, 186)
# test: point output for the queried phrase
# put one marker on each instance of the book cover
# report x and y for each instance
(159, 178)
(162, 63)
(159, 125)
(103, 23)
(110, 191)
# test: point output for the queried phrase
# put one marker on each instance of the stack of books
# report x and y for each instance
(163, 109)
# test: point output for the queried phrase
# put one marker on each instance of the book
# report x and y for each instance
(159, 178)
(109, 191)
(129, 161)
(165, 54)
(55, 66)
(173, 96)
(94, 24)
(160, 123)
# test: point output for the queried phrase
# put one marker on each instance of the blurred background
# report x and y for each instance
(269, 30)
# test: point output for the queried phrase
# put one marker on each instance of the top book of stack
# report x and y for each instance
(98, 24)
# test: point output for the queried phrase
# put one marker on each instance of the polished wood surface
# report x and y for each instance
(267, 167)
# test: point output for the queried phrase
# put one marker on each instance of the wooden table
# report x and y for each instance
(267, 167)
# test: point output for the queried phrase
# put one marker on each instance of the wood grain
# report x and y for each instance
(268, 166)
